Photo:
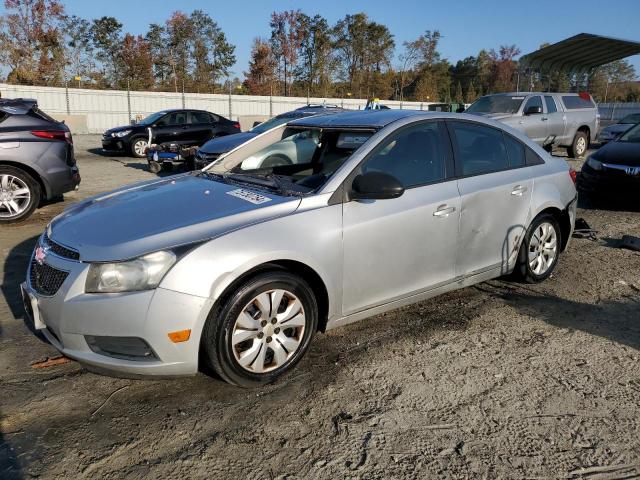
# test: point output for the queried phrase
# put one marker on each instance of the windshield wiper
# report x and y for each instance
(265, 180)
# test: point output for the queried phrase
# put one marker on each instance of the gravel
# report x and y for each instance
(500, 380)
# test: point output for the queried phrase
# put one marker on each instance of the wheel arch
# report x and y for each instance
(45, 190)
(564, 220)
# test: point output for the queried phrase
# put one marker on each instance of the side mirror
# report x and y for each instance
(255, 124)
(376, 186)
(533, 110)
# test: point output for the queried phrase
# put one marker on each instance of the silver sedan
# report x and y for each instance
(244, 264)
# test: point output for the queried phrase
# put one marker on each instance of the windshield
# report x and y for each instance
(300, 162)
(496, 104)
(633, 118)
(152, 118)
(272, 123)
(632, 135)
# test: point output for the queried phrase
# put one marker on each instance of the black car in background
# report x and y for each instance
(185, 127)
(615, 167)
(36, 159)
(211, 150)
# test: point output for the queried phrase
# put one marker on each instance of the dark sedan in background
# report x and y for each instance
(211, 150)
(615, 167)
(184, 127)
(612, 131)
(36, 159)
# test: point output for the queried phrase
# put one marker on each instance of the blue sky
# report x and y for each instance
(466, 25)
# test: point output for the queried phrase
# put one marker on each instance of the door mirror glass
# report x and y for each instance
(376, 185)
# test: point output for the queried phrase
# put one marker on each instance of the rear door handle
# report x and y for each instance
(518, 190)
(444, 211)
(544, 119)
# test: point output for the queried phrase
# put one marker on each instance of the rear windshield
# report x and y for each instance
(573, 102)
(274, 122)
(633, 118)
(496, 104)
(36, 112)
(632, 135)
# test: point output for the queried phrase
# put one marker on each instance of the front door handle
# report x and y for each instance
(544, 119)
(444, 211)
(518, 190)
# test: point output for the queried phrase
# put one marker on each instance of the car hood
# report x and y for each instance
(120, 129)
(226, 143)
(493, 116)
(161, 214)
(619, 153)
(617, 128)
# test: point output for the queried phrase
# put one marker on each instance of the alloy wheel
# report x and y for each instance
(15, 196)
(268, 331)
(139, 147)
(581, 146)
(543, 248)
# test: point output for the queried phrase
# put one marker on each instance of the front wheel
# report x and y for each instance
(540, 249)
(19, 194)
(139, 147)
(261, 330)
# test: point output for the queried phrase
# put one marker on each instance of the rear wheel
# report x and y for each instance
(262, 330)
(540, 249)
(19, 194)
(139, 147)
(579, 146)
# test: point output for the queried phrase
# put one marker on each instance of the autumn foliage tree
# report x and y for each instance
(262, 69)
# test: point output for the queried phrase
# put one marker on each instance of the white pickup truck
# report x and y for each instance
(550, 119)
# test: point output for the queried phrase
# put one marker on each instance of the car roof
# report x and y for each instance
(374, 119)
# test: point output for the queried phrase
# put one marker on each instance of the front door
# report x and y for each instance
(172, 128)
(397, 247)
(495, 189)
(535, 125)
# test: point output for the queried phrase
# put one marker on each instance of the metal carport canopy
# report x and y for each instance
(579, 54)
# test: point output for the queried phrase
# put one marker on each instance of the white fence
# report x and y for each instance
(104, 109)
(615, 111)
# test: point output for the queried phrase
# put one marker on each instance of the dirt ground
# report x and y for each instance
(500, 380)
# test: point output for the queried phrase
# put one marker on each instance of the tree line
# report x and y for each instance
(40, 44)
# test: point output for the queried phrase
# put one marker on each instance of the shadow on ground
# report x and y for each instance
(615, 320)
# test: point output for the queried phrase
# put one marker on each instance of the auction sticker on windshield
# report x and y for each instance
(249, 196)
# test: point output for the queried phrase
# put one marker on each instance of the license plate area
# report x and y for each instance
(31, 308)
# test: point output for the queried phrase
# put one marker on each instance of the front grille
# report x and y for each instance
(45, 279)
(60, 250)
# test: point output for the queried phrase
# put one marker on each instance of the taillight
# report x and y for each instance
(61, 135)
(573, 174)
(237, 125)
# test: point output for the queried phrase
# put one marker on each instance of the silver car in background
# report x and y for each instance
(568, 120)
(388, 208)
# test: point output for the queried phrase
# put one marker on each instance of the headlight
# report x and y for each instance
(593, 163)
(123, 133)
(144, 273)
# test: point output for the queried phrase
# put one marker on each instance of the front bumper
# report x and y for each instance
(114, 144)
(70, 316)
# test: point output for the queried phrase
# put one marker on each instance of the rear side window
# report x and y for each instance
(551, 104)
(515, 149)
(414, 155)
(200, 117)
(480, 149)
(573, 102)
(532, 157)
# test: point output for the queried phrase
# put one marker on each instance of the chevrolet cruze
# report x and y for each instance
(388, 208)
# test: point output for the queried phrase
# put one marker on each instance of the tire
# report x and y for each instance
(137, 147)
(154, 167)
(17, 189)
(269, 349)
(579, 146)
(528, 267)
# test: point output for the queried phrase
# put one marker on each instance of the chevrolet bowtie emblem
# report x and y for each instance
(40, 255)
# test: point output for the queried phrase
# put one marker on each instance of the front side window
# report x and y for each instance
(174, 118)
(415, 155)
(551, 104)
(480, 149)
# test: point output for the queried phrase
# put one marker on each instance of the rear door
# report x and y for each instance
(200, 127)
(495, 189)
(535, 125)
(556, 120)
(397, 247)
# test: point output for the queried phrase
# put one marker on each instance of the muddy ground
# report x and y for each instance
(500, 380)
